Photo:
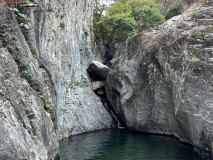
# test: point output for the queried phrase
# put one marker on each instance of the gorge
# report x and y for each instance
(160, 81)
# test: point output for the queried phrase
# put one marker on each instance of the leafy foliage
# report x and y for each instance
(146, 12)
(26, 25)
(25, 72)
(41, 96)
(47, 105)
(117, 24)
(63, 108)
(77, 83)
(175, 9)
(122, 19)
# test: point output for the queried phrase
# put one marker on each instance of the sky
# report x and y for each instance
(107, 2)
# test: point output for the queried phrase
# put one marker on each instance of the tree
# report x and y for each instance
(116, 26)
(146, 13)
(123, 19)
(177, 8)
(99, 10)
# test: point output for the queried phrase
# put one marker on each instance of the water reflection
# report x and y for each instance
(124, 145)
(84, 146)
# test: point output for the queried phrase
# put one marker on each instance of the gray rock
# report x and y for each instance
(27, 131)
(161, 79)
(97, 84)
(98, 71)
(64, 44)
(45, 93)
(100, 92)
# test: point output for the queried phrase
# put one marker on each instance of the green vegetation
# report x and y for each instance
(122, 19)
(48, 106)
(41, 96)
(28, 64)
(53, 5)
(177, 8)
(34, 49)
(25, 25)
(63, 108)
(12, 47)
(25, 72)
(146, 13)
(27, 68)
(50, 3)
(77, 83)
(56, 8)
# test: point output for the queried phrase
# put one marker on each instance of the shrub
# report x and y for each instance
(175, 9)
(63, 108)
(77, 83)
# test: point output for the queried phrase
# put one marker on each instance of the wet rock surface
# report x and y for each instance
(161, 79)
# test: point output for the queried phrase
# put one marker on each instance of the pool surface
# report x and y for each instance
(117, 144)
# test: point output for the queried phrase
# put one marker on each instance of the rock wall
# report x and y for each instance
(63, 36)
(45, 92)
(27, 129)
(165, 5)
(161, 79)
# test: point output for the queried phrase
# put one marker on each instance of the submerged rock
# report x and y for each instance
(161, 79)
(98, 71)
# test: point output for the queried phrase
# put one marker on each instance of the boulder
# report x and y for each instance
(98, 71)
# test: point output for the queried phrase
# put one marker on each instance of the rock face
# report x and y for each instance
(165, 5)
(45, 93)
(64, 42)
(65, 45)
(162, 79)
(26, 130)
(97, 84)
(98, 71)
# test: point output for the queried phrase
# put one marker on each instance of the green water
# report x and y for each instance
(124, 145)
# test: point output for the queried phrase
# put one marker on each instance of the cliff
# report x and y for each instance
(160, 82)
(45, 92)
(161, 79)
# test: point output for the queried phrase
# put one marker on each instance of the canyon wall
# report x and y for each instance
(62, 32)
(161, 80)
(45, 92)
